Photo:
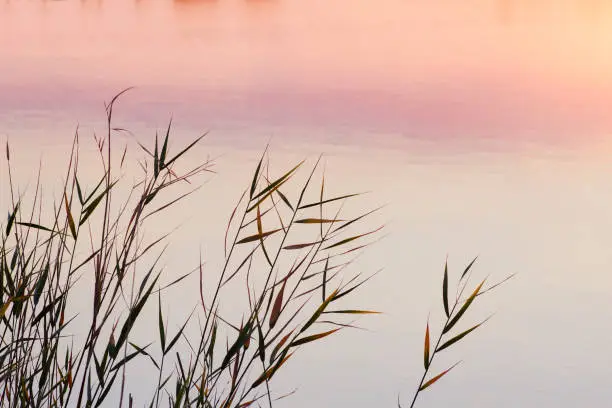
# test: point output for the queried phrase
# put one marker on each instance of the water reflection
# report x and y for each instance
(194, 3)
(531, 69)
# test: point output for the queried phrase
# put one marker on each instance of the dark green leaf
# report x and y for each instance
(243, 336)
(316, 221)
(347, 240)
(319, 310)
(284, 198)
(463, 309)
(70, 218)
(255, 177)
(164, 150)
(313, 337)
(458, 337)
(40, 284)
(11, 219)
(36, 226)
(329, 200)
(257, 237)
(275, 184)
(79, 192)
(185, 150)
(162, 332)
(175, 339)
(445, 290)
(467, 268)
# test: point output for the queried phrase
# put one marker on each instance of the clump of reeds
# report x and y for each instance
(300, 247)
(454, 311)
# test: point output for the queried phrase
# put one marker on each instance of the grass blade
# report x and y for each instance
(445, 290)
(347, 240)
(463, 309)
(160, 322)
(459, 337)
(436, 378)
(313, 337)
(320, 310)
(69, 215)
(467, 268)
(329, 200)
(257, 237)
(256, 177)
(316, 221)
(426, 349)
(185, 150)
(11, 219)
(278, 303)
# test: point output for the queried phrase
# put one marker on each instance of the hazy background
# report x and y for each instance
(485, 125)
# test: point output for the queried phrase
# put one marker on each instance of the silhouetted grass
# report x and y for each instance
(454, 310)
(94, 242)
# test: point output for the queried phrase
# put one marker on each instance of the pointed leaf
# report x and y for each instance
(278, 303)
(467, 268)
(300, 246)
(185, 150)
(5, 307)
(436, 378)
(255, 178)
(265, 197)
(329, 200)
(156, 160)
(320, 310)
(40, 284)
(243, 336)
(426, 352)
(317, 221)
(257, 237)
(11, 219)
(313, 337)
(465, 306)
(69, 215)
(324, 284)
(267, 375)
(352, 311)
(280, 345)
(79, 192)
(458, 337)
(162, 332)
(164, 150)
(262, 345)
(347, 240)
(284, 198)
(176, 337)
(91, 207)
(445, 290)
(260, 231)
(36, 226)
(275, 184)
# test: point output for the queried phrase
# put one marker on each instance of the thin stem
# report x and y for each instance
(433, 354)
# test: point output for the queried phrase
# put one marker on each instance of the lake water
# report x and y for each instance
(484, 125)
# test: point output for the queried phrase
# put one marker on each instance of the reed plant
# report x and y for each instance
(288, 246)
(289, 249)
(455, 308)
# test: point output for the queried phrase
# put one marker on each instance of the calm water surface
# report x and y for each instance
(486, 126)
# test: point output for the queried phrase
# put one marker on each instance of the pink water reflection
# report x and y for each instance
(505, 69)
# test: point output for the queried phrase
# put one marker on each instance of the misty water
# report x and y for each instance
(485, 127)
